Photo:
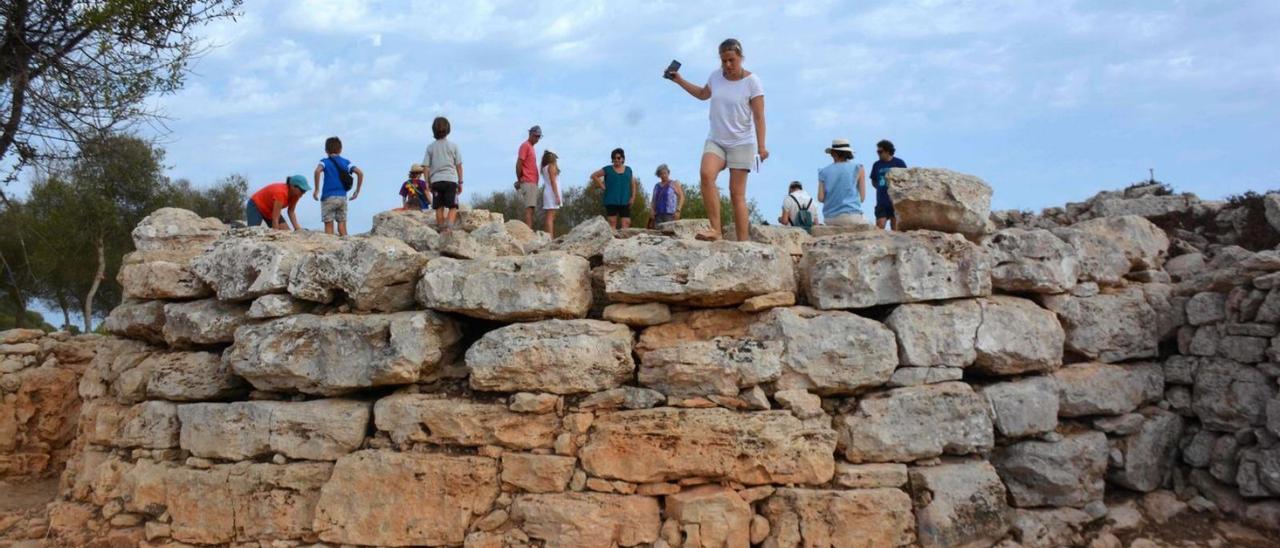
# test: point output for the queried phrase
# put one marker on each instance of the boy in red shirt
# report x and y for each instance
(267, 204)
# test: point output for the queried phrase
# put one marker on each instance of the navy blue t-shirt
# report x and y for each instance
(878, 171)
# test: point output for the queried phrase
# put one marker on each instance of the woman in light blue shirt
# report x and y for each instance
(842, 187)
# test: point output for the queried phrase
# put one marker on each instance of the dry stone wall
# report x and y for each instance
(955, 385)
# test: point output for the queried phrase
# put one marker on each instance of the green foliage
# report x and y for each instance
(1256, 234)
(224, 200)
(74, 69)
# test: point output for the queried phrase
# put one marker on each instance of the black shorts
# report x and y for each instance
(444, 194)
(884, 210)
(623, 211)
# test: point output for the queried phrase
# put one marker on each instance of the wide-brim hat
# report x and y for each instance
(840, 145)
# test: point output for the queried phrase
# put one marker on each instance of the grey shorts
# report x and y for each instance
(529, 194)
(737, 157)
(333, 209)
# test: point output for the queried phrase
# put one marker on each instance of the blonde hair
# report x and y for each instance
(731, 44)
(549, 157)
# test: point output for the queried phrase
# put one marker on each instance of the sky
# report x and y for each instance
(1047, 101)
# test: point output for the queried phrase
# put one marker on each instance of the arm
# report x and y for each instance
(679, 197)
(359, 181)
(635, 189)
(862, 185)
(293, 217)
(757, 113)
(458, 166)
(784, 219)
(597, 178)
(822, 192)
(276, 207)
(554, 172)
(701, 93)
(316, 177)
(517, 168)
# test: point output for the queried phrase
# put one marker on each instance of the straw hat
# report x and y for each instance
(840, 145)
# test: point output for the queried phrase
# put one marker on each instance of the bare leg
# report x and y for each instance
(626, 222)
(328, 227)
(551, 223)
(880, 222)
(440, 217)
(342, 229)
(712, 165)
(528, 216)
(453, 216)
(738, 197)
(893, 223)
(613, 221)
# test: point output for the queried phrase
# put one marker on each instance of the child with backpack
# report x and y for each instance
(797, 208)
(333, 188)
(413, 192)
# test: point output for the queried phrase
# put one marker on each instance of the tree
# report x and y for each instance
(224, 200)
(16, 274)
(71, 70)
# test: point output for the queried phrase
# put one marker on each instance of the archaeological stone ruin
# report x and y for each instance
(1075, 377)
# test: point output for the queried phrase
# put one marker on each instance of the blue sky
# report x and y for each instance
(1047, 101)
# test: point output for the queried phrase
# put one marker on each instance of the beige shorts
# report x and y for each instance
(333, 209)
(738, 157)
(847, 219)
(529, 194)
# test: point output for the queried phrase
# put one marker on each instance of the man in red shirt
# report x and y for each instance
(527, 174)
(267, 204)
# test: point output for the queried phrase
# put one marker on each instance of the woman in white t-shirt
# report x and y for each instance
(736, 137)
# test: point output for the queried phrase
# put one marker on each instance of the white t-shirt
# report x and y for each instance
(789, 207)
(731, 122)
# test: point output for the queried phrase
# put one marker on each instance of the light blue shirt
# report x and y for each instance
(840, 182)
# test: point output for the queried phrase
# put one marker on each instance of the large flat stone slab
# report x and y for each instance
(669, 444)
(588, 520)
(1086, 389)
(940, 199)
(557, 356)
(1111, 326)
(1068, 472)
(959, 504)
(535, 287)
(161, 275)
(428, 418)
(858, 517)
(310, 430)
(341, 353)
(872, 268)
(916, 422)
(247, 263)
(372, 273)
(694, 273)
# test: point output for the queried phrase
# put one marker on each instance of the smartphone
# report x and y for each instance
(671, 69)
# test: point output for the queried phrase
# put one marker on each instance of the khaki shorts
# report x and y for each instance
(847, 219)
(739, 157)
(333, 209)
(529, 194)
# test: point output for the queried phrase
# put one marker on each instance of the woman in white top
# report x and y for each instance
(551, 199)
(736, 137)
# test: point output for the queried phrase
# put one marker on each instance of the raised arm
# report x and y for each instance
(701, 93)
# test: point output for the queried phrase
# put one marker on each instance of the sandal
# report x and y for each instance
(708, 236)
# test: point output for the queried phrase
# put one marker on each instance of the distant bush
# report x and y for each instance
(1256, 233)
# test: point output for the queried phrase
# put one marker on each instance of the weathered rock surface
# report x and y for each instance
(1024, 407)
(669, 444)
(1101, 259)
(787, 238)
(374, 273)
(142, 320)
(1111, 326)
(693, 273)
(386, 498)
(336, 354)
(174, 229)
(959, 504)
(1031, 261)
(588, 520)
(1149, 453)
(537, 473)
(1068, 472)
(428, 418)
(1229, 396)
(509, 288)
(161, 275)
(1016, 336)
(720, 367)
(556, 356)
(1103, 389)
(413, 227)
(917, 422)
(149, 425)
(871, 475)
(248, 263)
(310, 430)
(940, 199)
(861, 517)
(273, 306)
(1144, 244)
(189, 376)
(485, 242)
(684, 229)
(638, 315)
(873, 268)
(937, 334)
(586, 240)
(711, 515)
(203, 323)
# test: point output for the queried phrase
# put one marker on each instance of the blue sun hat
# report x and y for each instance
(299, 181)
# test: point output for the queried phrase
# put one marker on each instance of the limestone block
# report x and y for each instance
(859, 517)
(189, 376)
(1229, 396)
(693, 273)
(1068, 472)
(147, 425)
(1206, 308)
(586, 240)
(388, 498)
(940, 199)
(374, 273)
(1149, 453)
(174, 229)
(1024, 407)
(916, 422)
(161, 275)
(413, 227)
(870, 475)
(1016, 336)
(244, 502)
(1103, 389)
(937, 334)
(624, 397)
(959, 504)
(1111, 326)
(828, 352)
(555, 356)
(536, 287)
(142, 320)
(721, 367)
(1144, 244)
(336, 354)
(537, 473)
(664, 444)
(684, 229)
(203, 323)
(790, 239)
(711, 516)
(1101, 259)
(310, 430)
(588, 520)
(272, 306)
(873, 268)
(638, 315)
(1031, 261)
(427, 418)
(247, 263)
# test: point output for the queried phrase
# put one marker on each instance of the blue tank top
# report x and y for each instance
(617, 186)
(664, 199)
(840, 180)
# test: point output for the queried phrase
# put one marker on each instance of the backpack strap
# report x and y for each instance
(797, 201)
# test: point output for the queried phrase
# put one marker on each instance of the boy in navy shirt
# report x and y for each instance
(331, 193)
(884, 204)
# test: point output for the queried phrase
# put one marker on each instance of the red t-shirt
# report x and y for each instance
(266, 198)
(528, 164)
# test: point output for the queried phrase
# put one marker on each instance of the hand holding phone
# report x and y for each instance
(670, 73)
